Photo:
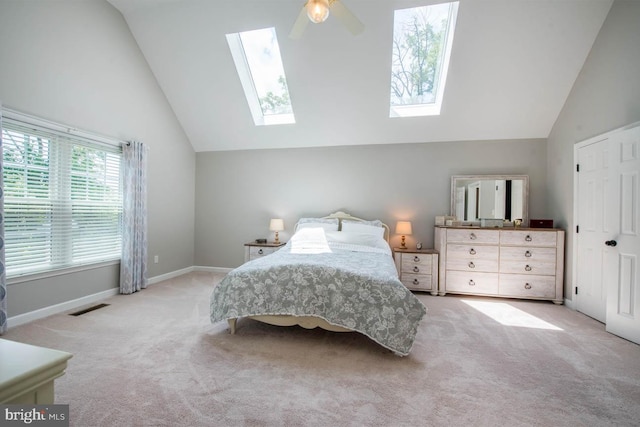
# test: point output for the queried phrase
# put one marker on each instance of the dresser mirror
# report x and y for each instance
(476, 197)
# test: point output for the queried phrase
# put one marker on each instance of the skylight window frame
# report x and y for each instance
(243, 68)
(440, 79)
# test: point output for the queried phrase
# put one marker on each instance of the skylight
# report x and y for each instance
(259, 65)
(422, 39)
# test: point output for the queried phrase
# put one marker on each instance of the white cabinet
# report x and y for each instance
(27, 373)
(513, 263)
(418, 269)
(258, 250)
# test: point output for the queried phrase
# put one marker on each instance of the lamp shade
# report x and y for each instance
(403, 227)
(276, 224)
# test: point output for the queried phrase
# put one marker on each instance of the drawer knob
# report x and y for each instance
(416, 282)
(472, 265)
(472, 236)
(527, 286)
(527, 267)
(260, 251)
(472, 283)
(528, 238)
(472, 251)
(416, 259)
(527, 254)
(416, 269)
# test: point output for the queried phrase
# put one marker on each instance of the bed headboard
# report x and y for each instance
(343, 215)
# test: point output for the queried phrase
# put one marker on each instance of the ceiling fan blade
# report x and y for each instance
(299, 26)
(347, 18)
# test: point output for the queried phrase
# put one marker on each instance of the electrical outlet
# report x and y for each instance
(156, 259)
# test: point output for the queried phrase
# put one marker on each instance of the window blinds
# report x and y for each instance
(63, 199)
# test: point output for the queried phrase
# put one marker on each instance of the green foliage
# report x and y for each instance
(27, 160)
(416, 54)
(26, 165)
(276, 103)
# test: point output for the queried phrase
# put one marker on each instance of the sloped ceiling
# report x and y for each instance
(512, 66)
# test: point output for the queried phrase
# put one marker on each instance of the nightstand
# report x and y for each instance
(255, 250)
(418, 269)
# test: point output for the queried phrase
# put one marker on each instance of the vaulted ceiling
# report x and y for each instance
(512, 66)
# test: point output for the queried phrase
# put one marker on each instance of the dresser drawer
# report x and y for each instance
(473, 283)
(472, 258)
(420, 282)
(258, 251)
(528, 238)
(416, 263)
(527, 286)
(475, 236)
(528, 260)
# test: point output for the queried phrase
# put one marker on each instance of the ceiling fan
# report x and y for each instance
(317, 11)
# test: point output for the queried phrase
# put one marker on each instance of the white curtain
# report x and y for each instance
(133, 265)
(3, 276)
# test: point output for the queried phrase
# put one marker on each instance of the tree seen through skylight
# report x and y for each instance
(263, 56)
(421, 43)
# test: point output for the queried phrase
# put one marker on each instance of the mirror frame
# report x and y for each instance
(525, 192)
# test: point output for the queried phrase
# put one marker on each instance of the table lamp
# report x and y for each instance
(276, 224)
(403, 228)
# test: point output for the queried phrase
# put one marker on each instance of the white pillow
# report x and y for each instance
(362, 228)
(353, 238)
(375, 222)
(328, 224)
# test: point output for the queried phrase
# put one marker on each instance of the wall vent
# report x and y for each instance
(86, 310)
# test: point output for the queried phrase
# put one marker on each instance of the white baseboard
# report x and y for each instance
(170, 275)
(212, 269)
(59, 308)
(569, 304)
(21, 319)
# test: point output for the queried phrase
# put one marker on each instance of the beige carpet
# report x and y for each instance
(153, 358)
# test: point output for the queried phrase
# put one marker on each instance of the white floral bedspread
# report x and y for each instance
(351, 286)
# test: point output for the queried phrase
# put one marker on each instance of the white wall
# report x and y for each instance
(76, 62)
(605, 96)
(237, 192)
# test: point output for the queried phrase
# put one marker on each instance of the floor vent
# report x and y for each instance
(86, 310)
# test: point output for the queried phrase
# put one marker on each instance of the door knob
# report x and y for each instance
(611, 243)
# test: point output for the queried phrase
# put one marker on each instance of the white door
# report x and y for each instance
(591, 297)
(607, 275)
(622, 275)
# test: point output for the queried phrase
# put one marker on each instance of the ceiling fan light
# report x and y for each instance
(318, 10)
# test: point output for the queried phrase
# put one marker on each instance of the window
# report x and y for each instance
(422, 39)
(259, 65)
(63, 198)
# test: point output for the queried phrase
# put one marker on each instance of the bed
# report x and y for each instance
(336, 273)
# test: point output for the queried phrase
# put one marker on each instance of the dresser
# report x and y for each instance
(256, 250)
(417, 269)
(510, 262)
